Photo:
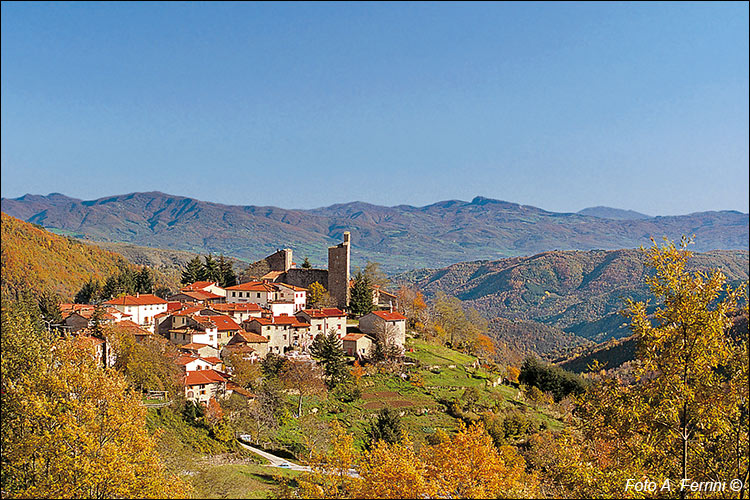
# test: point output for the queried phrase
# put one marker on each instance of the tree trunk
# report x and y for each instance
(684, 449)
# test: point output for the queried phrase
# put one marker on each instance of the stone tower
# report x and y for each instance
(281, 260)
(338, 272)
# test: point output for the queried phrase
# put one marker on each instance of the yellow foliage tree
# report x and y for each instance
(73, 430)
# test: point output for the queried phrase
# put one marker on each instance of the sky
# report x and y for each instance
(641, 106)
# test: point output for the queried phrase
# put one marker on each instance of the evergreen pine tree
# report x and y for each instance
(144, 281)
(328, 351)
(226, 270)
(361, 298)
(306, 264)
(211, 270)
(193, 271)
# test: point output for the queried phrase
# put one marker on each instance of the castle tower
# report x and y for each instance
(338, 272)
(281, 260)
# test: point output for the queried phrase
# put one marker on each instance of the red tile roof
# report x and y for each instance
(292, 287)
(131, 327)
(224, 323)
(188, 311)
(353, 336)
(199, 294)
(231, 386)
(254, 286)
(185, 359)
(237, 307)
(136, 300)
(279, 320)
(174, 305)
(211, 359)
(249, 337)
(203, 377)
(325, 312)
(194, 345)
(389, 316)
(199, 285)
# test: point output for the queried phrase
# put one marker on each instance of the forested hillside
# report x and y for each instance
(40, 260)
(580, 292)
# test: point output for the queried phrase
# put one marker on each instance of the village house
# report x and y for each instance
(357, 344)
(239, 312)
(283, 332)
(196, 329)
(83, 318)
(257, 292)
(191, 363)
(296, 294)
(390, 323)
(202, 385)
(323, 320)
(202, 350)
(250, 345)
(141, 307)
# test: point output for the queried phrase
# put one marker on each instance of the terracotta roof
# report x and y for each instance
(325, 312)
(292, 287)
(185, 359)
(137, 300)
(249, 337)
(203, 377)
(224, 323)
(254, 286)
(353, 336)
(234, 307)
(231, 386)
(389, 316)
(88, 339)
(279, 320)
(199, 285)
(271, 275)
(131, 327)
(212, 359)
(188, 311)
(198, 294)
(174, 305)
(194, 345)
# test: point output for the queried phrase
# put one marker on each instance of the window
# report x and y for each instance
(339, 326)
(233, 294)
(320, 327)
(218, 336)
(258, 295)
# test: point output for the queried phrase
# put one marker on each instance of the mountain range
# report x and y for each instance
(401, 238)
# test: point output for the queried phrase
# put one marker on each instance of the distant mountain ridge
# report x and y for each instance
(402, 237)
(613, 213)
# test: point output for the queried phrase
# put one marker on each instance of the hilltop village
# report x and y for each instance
(207, 323)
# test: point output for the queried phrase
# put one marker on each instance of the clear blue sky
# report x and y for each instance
(560, 106)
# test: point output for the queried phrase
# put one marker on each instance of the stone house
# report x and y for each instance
(390, 324)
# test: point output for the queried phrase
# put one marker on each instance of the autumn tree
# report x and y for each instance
(148, 364)
(411, 304)
(330, 475)
(69, 428)
(303, 378)
(245, 372)
(318, 296)
(680, 417)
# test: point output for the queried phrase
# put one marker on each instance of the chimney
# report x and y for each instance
(137, 294)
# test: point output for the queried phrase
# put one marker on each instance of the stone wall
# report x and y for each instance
(305, 277)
